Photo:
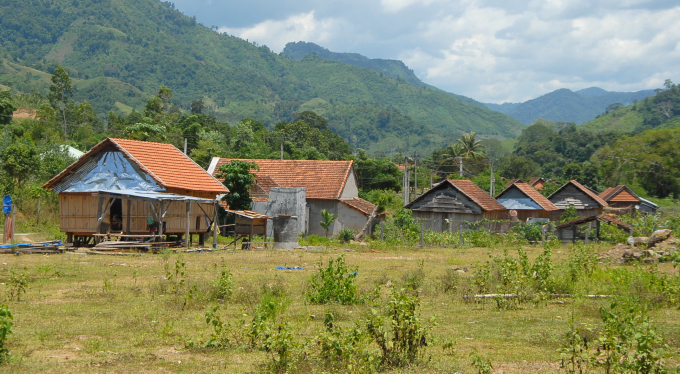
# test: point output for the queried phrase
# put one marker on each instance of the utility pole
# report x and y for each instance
(185, 145)
(492, 188)
(415, 172)
(460, 166)
(404, 183)
(282, 147)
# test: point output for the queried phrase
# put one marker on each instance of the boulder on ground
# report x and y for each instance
(638, 240)
(658, 236)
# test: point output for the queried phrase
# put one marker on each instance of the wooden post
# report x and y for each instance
(215, 227)
(128, 230)
(460, 230)
(187, 233)
(573, 234)
(160, 220)
(14, 220)
(100, 201)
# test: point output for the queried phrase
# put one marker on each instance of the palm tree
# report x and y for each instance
(470, 148)
(450, 155)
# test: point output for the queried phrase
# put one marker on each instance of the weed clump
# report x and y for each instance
(334, 283)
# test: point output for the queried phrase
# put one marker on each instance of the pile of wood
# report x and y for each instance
(122, 246)
(49, 247)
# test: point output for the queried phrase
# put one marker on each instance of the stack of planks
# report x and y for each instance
(49, 247)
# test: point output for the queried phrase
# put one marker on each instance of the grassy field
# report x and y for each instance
(140, 314)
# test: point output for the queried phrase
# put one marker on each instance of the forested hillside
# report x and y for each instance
(564, 105)
(119, 52)
(659, 111)
(392, 68)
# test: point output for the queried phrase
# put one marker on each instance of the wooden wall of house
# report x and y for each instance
(436, 221)
(78, 215)
(524, 214)
(585, 205)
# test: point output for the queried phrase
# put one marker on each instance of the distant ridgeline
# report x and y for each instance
(391, 68)
(119, 54)
(564, 105)
(660, 111)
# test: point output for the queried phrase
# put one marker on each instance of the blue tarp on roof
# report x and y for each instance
(522, 204)
(108, 171)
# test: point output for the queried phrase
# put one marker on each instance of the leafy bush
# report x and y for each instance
(346, 235)
(335, 283)
(626, 343)
(569, 214)
(6, 325)
(400, 334)
(223, 286)
(531, 232)
(612, 233)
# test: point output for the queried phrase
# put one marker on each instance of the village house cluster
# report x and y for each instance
(154, 190)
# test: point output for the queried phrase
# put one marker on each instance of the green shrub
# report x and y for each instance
(531, 232)
(6, 325)
(334, 283)
(401, 334)
(346, 235)
(612, 233)
(223, 286)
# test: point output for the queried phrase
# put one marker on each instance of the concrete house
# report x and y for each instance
(455, 201)
(527, 202)
(134, 188)
(330, 185)
(586, 202)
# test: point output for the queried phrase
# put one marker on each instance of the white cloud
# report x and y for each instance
(497, 55)
(490, 50)
(299, 27)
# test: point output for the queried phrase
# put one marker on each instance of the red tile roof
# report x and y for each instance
(321, 179)
(360, 204)
(583, 189)
(477, 194)
(163, 162)
(619, 193)
(531, 193)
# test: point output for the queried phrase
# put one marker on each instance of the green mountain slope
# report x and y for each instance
(660, 111)
(564, 105)
(392, 68)
(119, 52)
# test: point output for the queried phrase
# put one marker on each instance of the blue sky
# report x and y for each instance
(492, 51)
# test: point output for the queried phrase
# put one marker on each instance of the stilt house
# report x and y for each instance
(134, 188)
(527, 202)
(586, 202)
(451, 202)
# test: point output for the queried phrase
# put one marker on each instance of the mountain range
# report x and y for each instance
(565, 105)
(119, 52)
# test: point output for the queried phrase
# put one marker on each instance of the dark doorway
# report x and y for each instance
(116, 215)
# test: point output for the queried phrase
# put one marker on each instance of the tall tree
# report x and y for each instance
(470, 148)
(60, 93)
(238, 178)
(7, 107)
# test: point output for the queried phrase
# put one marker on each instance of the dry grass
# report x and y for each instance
(110, 314)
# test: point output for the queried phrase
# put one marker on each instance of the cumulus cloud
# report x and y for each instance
(299, 27)
(489, 50)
